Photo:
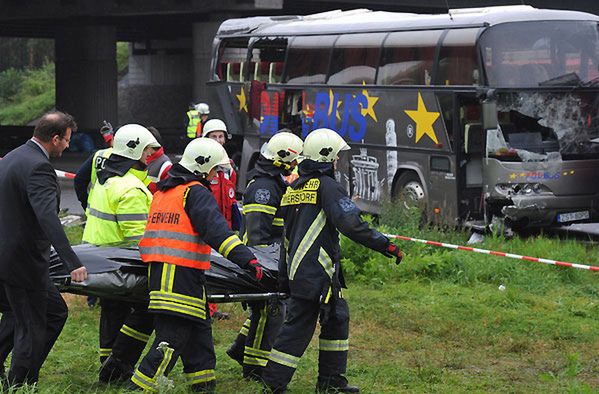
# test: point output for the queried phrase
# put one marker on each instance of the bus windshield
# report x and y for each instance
(546, 126)
(530, 54)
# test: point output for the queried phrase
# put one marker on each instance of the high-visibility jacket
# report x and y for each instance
(97, 165)
(118, 209)
(193, 117)
(170, 236)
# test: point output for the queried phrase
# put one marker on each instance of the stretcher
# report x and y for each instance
(118, 273)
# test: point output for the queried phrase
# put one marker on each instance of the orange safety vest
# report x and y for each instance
(170, 236)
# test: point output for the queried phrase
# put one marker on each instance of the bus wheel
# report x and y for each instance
(409, 189)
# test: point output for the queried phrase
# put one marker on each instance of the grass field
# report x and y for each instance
(436, 323)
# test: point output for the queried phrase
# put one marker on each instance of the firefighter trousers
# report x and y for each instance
(295, 335)
(190, 339)
(257, 335)
(125, 328)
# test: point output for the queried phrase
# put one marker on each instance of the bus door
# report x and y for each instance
(470, 149)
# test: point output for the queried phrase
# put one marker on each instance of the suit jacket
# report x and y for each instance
(29, 223)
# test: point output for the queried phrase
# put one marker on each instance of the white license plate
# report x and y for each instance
(572, 216)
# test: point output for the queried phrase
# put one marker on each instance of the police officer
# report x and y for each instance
(263, 225)
(184, 222)
(116, 215)
(316, 208)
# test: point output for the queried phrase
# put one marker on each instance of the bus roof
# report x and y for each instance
(364, 20)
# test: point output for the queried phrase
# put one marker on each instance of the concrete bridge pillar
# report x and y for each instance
(86, 74)
(202, 36)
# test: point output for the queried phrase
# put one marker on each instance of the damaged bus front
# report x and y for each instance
(542, 123)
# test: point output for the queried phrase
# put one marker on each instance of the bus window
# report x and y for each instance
(355, 59)
(266, 61)
(527, 54)
(308, 59)
(458, 64)
(231, 59)
(408, 58)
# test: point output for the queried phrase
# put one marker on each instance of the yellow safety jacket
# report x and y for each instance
(117, 211)
(97, 165)
(192, 124)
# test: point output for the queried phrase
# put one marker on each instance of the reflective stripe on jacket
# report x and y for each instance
(170, 236)
(118, 210)
(192, 124)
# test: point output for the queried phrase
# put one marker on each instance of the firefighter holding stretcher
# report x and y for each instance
(183, 224)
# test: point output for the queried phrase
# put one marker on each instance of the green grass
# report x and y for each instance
(436, 323)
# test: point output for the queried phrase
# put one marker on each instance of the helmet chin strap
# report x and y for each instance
(283, 165)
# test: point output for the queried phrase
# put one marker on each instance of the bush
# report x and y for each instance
(10, 83)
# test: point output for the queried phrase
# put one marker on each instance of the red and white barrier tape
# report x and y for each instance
(495, 253)
(64, 174)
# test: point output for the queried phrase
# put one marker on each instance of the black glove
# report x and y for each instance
(255, 268)
(394, 251)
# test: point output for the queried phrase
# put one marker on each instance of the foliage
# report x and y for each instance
(33, 94)
(122, 56)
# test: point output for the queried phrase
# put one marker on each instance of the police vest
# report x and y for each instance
(117, 210)
(170, 236)
(192, 124)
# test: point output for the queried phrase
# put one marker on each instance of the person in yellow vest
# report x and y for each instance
(116, 215)
(183, 224)
(196, 116)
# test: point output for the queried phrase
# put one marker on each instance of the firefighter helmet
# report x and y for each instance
(215, 125)
(202, 108)
(131, 140)
(324, 145)
(283, 148)
(201, 155)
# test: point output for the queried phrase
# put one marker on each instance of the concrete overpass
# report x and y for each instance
(170, 47)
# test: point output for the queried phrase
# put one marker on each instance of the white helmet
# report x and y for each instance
(203, 154)
(130, 141)
(214, 125)
(324, 145)
(283, 148)
(202, 108)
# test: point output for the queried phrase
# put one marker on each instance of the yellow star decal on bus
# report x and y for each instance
(243, 105)
(331, 99)
(424, 121)
(369, 110)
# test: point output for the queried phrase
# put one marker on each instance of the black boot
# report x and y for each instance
(115, 370)
(235, 351)
(334, 384)
(206, 387)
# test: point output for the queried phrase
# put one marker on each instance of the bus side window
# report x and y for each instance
(408, 58)
(355, 58)
(266, 61)
(458, 63)
(232, 55)
(308, 59)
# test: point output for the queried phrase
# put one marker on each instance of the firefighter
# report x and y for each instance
(315, 209)
(195, 118)
(184, 222)
(263, 225)
(116, 215)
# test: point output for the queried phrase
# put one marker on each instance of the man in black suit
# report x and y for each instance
(29, 224)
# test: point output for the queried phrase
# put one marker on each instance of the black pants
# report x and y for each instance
(256, 338)
(295, 335)
(124, 330)
(7, 333)
(190, 339)
(38, 317)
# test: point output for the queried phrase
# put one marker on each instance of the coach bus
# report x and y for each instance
(477, 113)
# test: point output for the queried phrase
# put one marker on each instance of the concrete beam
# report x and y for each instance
(86, 74)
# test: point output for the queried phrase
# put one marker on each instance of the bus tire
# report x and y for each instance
(408, 188)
